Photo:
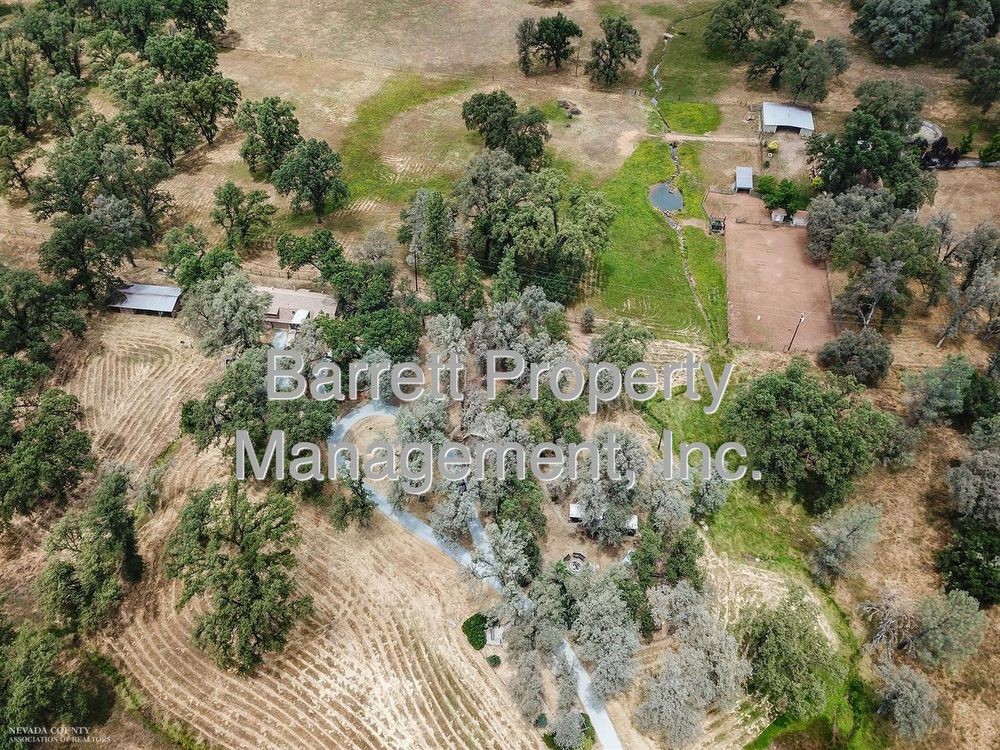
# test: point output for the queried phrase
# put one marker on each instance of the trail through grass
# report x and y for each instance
(691, 181)
(705, 261)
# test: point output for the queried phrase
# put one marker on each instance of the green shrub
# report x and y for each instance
(970, 563)
(784, 194)
(475, 630)
(866, 356)
(991, 151)
(493, 660)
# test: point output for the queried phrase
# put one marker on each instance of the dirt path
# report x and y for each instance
(708, 138)
(603, 726)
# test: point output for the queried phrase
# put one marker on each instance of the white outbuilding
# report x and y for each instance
(744, 179)
(787, 116)
(146, 299)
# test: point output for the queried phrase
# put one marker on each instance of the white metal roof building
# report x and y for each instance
(774, 116)
(147, 299)
(744, 179)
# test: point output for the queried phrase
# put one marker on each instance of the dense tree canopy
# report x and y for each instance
(181, 56)
(556, 231)
(865, 154)
(895, 106)
(522, 134)
(271, 132)
(981, 68)
(948, 629)
(206, 18)
(188, 259)
(16, 158)
(807, 435)
(908, 699)
(553, 39)
(238, 401)
(43, 456)
(609, 56)
(606, 637)
(243, 215)
(36, 688)
(91, 556)
(735, 24)
(311, 174)
(895, 30)
(225, 313)
(969, 563)
(792, 660)
(34, 314)
(865, 356)
(238, 553)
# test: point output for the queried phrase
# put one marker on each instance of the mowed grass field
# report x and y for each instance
(689, 76)
(642, 274)
(367, 175)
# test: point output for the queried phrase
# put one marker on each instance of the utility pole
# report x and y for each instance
(802, 317)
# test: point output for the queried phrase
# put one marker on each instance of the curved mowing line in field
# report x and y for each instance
(366, 173)
(603, 726)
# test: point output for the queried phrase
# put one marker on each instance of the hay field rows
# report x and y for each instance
(131, 374)
(381, 663)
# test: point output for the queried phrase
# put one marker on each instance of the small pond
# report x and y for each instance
(666, 197)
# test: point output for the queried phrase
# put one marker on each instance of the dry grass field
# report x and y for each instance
(972, 195)
(131, 374)
(382, 662)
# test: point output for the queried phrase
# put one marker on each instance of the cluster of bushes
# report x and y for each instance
(864, 356)
(782, 194)
(474, 628)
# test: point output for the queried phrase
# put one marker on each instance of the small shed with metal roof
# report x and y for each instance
(744, 179)
(146, 299)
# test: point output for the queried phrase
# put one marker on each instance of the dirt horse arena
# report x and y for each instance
(771, 280)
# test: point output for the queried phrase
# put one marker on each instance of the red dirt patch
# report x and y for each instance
(770, 279)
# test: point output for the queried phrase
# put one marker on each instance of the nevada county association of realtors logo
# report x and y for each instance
(55, 735)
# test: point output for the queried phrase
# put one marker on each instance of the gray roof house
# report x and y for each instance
(790, 117)
(744, 179)
(146, 299)
(290, 308)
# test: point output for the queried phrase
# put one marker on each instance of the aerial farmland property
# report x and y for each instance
(266, 267)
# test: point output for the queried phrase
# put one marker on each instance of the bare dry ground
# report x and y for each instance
(770, 279)
(972, 195)
(20, 236)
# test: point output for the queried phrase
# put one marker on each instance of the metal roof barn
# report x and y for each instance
(744, 179)
(149, 299)
(774, 116)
